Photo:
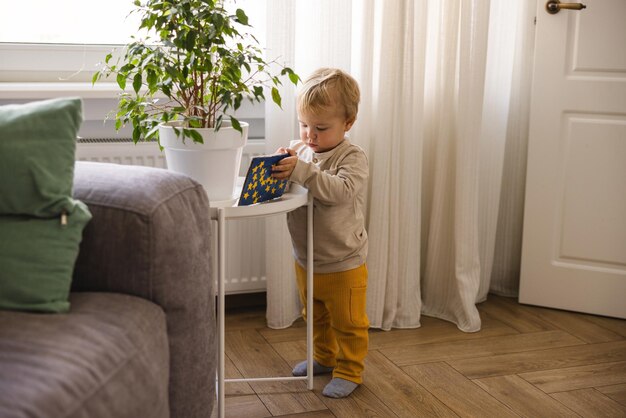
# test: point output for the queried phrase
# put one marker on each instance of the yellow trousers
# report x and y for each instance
(340, 322)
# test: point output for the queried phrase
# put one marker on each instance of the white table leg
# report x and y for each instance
(221, 251)
(234, 213)
(309, 292)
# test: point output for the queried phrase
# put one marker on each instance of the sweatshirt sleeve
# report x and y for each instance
(334, 186)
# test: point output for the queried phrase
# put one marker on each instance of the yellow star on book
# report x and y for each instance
(259, 184)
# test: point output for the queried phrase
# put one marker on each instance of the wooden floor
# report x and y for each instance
(526, 361)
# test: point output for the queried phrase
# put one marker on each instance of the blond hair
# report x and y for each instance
(327, 87)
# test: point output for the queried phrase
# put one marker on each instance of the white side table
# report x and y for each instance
(223, 211)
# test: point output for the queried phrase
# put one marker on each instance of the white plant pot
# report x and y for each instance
(214, 164)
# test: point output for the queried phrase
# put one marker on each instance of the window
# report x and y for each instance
(52, 48)
(68, 22)
(52, 41)
(88, 21)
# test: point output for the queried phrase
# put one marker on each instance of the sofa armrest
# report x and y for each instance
(150, 237)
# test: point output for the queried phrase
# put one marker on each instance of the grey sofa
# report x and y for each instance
(139, 340)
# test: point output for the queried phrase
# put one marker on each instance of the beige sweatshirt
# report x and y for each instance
(337, 179)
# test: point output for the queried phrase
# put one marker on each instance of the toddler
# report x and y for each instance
(335, 172)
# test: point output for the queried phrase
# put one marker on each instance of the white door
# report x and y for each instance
(574, 248)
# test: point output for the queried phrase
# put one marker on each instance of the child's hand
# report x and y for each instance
(284, 168)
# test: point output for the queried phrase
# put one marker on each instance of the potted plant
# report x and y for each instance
(188, 75)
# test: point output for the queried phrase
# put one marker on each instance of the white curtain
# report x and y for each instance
(443, 120)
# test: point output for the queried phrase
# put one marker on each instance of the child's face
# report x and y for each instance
(323, 131)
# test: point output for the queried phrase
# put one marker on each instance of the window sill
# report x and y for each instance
(49, 90)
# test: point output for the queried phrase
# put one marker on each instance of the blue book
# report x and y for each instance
(259, 185)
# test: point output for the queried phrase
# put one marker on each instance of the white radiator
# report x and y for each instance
(245, 269)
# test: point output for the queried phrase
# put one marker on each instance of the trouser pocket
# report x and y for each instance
(358, 297)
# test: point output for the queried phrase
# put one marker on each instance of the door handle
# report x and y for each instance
(555, 6)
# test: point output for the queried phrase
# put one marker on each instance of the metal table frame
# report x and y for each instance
(224, 211)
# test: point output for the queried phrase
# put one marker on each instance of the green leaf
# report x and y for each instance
(167, 90)
(137, 82)
(276, 97)
(96, 77)
(294, 78)
(258, 92)
(172, 72)
(241, 17)
(152, 131)
(195, 123)
(195, 135)
(136, 134)
(236, 124)
(126, 68)
(190, 41)
(121, 81)
(152, 80)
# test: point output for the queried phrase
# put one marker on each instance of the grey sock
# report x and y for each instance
(339, 388)
(300, 369)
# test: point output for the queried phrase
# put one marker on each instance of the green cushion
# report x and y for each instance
(37, 257)
(40, 224)
(37, 149)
